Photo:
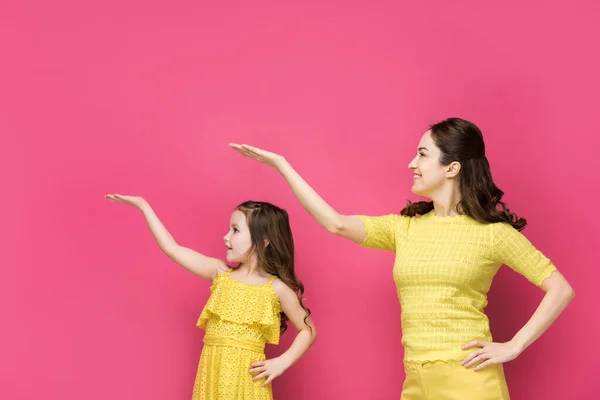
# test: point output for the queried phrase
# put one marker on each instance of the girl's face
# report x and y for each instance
(238, 240)
(428, 174)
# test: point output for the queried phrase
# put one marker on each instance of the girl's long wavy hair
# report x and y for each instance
(462, 141)
(270, 224)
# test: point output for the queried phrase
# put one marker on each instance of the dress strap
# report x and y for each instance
(272, 280)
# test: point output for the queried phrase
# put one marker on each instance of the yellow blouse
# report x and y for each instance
(443, 270)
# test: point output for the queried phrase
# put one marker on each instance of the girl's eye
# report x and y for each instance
(235, 230)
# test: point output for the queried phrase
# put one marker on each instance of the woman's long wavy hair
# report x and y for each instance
(270, 224)
(462, 141)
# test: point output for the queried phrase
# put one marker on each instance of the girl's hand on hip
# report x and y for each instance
(270, 369)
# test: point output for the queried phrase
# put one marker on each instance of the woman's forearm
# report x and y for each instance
(316, 206)
(551, 306)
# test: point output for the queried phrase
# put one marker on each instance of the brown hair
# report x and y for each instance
(271, 223)
(462, 141)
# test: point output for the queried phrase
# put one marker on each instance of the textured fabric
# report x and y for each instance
(451, 381)
(443, 270)
(239, 320)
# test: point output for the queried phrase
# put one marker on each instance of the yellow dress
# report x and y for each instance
(239, 319)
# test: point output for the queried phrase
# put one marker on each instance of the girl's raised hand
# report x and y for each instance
(134, 201)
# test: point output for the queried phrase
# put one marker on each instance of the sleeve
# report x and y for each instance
(514, 250)
(383, 232)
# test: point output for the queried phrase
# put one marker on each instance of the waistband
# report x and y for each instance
(234, 342)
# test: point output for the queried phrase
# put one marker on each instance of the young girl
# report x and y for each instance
(447, 253)
(249, 306)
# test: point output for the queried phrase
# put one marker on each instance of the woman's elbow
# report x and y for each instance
(570, 293)
(566, 290)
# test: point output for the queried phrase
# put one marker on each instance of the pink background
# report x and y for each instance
(142, 98)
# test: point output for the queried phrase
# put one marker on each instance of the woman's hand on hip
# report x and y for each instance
(489, 353)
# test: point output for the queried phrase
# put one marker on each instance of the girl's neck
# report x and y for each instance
(250, 269)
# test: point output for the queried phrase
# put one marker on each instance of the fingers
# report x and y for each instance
(242, 147)
(258, 369)
(484, 365)
(121, 199)
(252, 149)
(474, 343)
(471, 356)
(268, 380)
(260, 376)
(259, 366)
(242, 150)
(236, 147)
(117, 198)
(477, 360)
(247, 150)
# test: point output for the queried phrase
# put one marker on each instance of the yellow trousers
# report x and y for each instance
(449, 380)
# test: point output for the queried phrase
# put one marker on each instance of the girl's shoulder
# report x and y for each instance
(281, 290)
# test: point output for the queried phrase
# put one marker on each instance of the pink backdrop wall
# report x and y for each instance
(143, 97)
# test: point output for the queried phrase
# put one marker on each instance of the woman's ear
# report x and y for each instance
(453, 169)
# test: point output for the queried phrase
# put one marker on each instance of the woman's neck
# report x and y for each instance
(445, 204)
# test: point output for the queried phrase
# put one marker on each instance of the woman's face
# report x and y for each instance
(428, 174)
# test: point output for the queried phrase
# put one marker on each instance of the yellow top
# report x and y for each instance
(241, 313)
(443, 270)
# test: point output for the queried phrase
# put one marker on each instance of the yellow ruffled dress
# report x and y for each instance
(239, 319)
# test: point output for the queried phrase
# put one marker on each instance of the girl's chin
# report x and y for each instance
(232, 261)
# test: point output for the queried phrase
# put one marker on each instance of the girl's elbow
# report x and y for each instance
(313, 334)
(335, 227)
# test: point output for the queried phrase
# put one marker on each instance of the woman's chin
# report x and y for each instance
(419, 190)
(416, 190)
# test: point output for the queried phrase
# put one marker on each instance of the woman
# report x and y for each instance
(447, 252)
